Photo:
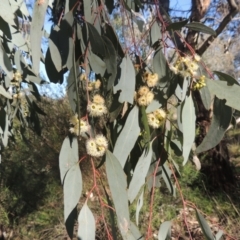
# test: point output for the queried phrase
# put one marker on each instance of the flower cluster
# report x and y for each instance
(97, 107)
(150, 79)
(95, 85)
(96, 147)
(156, 118)
(78, 128)
(144, 96)
(200, 83)
(186, 66)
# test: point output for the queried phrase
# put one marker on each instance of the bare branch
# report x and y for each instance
(232, 13)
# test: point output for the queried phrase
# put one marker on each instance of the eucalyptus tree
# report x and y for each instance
(122, 102)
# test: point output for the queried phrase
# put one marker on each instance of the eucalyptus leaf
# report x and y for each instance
(199, 27)
(55, 55)
(68, 156)
(126, 83)
(118, 187)
(5, 62)
(128, 136)
(164, 232)
(4, 93)
(72, 189)
(139, 174)
(139, 206)
(155, 33)
(39, 12)
(6, 12)
(222, 116)
(86, 224)
(177, 25)
(225, 77)
(206, 97)
(188, 117)
(204, 226)
(223, 91)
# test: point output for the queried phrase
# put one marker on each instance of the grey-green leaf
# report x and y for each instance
(225, 77)
(165, 231)
(5, 62)
(199, 27)
(126, 82)
(140, 173)
(128, 136)
(155, 33)
(72, 189)
(55, 55)
(39, 13)
(176, 25)
(4, 93)
(206, 97)
(222, 116)
(6, 12)
(86, 224)
(219, 235)
(118, 186)
(139, 206)
(188, 117)
(204, 226)
(68, 156)
(223, 91)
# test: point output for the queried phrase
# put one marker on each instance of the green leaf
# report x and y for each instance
(139, 206)
(199, 27)
(4, 93)
(2, 119)
(166, 175)
(176, 25)
(72, 190)
(52, 73)
(126, 83)
(219, 235)
(118, 186)
(160, 63)
(176, 146)
(154, 105)
(206, 97)
(68, 156)
(223, 91)
(71, 89)
(6, 12)
(139, 174)
(4, 27)
(222, 116)
(111, 61)
(5, 62)
(5, 132)
(128, 136)
(204, 226)
(55, 55)
(96, 63)
(225, 77)
(188, 117)
(165, 231)
(86, 224)
(155, 33)
(88, 11)
(134, 233)
(39, 12)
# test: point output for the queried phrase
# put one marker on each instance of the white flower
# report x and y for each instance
(101, 141)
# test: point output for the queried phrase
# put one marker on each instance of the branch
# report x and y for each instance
(232, 13)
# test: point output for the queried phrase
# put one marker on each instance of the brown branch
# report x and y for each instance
(232, 13)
